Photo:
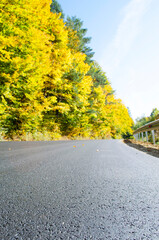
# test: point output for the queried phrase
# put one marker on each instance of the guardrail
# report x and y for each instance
(149, 127)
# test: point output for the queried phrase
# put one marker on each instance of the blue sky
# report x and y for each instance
(125, 39)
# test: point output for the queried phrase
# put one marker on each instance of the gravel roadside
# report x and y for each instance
(148, 148)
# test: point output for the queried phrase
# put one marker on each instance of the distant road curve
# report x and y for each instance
(98, 189)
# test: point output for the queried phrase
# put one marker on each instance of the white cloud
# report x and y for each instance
(133, 73)
(126, 34)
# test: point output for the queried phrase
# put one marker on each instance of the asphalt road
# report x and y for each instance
(78, 190)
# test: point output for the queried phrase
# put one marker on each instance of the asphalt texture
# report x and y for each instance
(99, 189)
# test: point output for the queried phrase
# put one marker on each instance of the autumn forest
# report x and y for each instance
(50, 85)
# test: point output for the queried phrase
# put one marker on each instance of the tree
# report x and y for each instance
(24, 56)
(98, 76)
(76, 24)
(48, 81)
(140, 121)
(74, 92)
(33, 51)
(154, 114)
(56, 8)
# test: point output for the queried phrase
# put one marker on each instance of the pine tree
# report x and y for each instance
(76, 25)
(56, 8)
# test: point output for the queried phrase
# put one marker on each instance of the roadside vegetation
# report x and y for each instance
(144, 120)
(142, 144)
(50, 85)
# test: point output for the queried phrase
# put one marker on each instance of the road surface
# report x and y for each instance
(99, 189)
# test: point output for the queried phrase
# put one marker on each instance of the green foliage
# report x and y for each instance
(140, 122)
(76, 25)
(56, 8)
(98, 76)
(154, 114)
(127, 135)
(144, 120)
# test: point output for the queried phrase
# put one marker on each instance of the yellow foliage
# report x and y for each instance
(45, 81)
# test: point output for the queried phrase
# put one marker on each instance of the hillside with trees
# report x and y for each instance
(50, 85)
(144, 120)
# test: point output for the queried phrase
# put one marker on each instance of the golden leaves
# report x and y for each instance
(46, 82)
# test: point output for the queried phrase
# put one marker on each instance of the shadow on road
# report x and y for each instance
(144, 147)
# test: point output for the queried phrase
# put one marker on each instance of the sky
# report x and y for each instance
(125, 39)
